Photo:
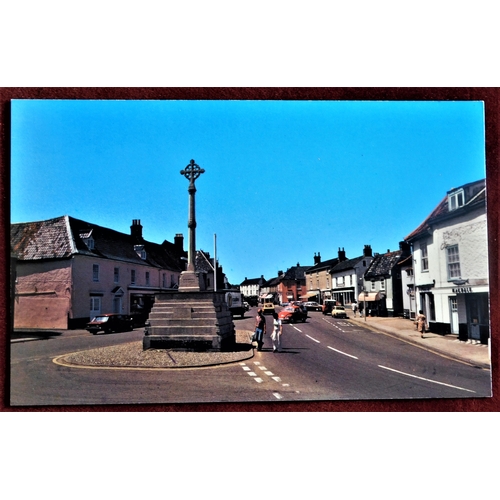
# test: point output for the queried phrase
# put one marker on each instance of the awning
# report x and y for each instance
(370, 296)
(309, 294)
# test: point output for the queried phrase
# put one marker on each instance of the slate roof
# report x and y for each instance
(323, 265)
(62, 237)
(252, 281)
(347, 264)
(381, 265)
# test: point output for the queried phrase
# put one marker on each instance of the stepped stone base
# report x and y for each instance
(190, 321)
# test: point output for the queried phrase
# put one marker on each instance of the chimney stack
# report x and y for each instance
(342, 255)
(136, 230)
(367, 251)
(179, 242)
(317, 258)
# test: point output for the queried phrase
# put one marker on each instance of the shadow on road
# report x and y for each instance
(38, 334)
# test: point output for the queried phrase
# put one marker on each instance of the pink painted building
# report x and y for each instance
(68, 271)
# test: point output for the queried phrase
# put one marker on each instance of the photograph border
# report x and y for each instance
(490, 97)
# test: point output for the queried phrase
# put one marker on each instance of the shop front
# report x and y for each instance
(374, 302)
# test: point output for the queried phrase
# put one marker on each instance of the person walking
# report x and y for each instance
(421, 323)
(354, 308)
(277, 331)
(260, 329)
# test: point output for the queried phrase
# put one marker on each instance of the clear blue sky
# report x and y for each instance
(283, 179)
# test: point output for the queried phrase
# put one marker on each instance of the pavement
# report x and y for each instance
(468, 352)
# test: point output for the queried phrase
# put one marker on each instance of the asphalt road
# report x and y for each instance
(322, 359)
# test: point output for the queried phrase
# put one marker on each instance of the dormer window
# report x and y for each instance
(86, 237)
(455, 200)
(139, 250)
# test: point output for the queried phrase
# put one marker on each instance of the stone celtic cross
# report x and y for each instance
(192, 172)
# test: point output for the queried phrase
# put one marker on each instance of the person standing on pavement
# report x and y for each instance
(260, 329)
(421, 322)
(277, 331)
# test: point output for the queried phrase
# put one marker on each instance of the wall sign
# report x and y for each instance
(462, 289)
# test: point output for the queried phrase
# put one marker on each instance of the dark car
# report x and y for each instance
(110, 323)
(312, 306)
(292, 314)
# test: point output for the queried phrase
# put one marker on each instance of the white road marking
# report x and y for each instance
(258, 380)
(340, 352)
(426, 379)
(246, 368)
(297, 329)
(313, 339)
(252, 374)
(277, 395)
(262, 368)
(256, 362)
(277, 379)
(270, 374)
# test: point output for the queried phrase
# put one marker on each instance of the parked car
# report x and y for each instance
(268, 308)
(292, 314)
(339, 312)
(312, 306)
(110, 323)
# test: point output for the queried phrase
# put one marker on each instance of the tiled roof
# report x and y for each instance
(382, 265)
(48, 239)
(295, 273)
(475, 193)
(62, 237)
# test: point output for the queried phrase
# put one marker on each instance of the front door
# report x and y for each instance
(454, 315)
(95, 307)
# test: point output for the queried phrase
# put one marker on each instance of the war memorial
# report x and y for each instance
(191, 319)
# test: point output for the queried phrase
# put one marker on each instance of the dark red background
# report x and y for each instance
(490, 96)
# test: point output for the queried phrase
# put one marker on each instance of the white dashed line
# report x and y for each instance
(268, 373)
(258, 380)
(426, 379)
(246, 368)
(297, 329)
(277, 379)
(313, 339)
(277, 395)
(340, 352)
(252, 374)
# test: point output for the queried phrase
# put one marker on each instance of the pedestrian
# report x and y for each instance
(421, 323)
(277, 331)
(260, 329)
(354, 308)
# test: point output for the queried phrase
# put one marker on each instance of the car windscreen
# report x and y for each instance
(101, 319)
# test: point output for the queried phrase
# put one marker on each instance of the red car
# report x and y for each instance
(292, 314)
